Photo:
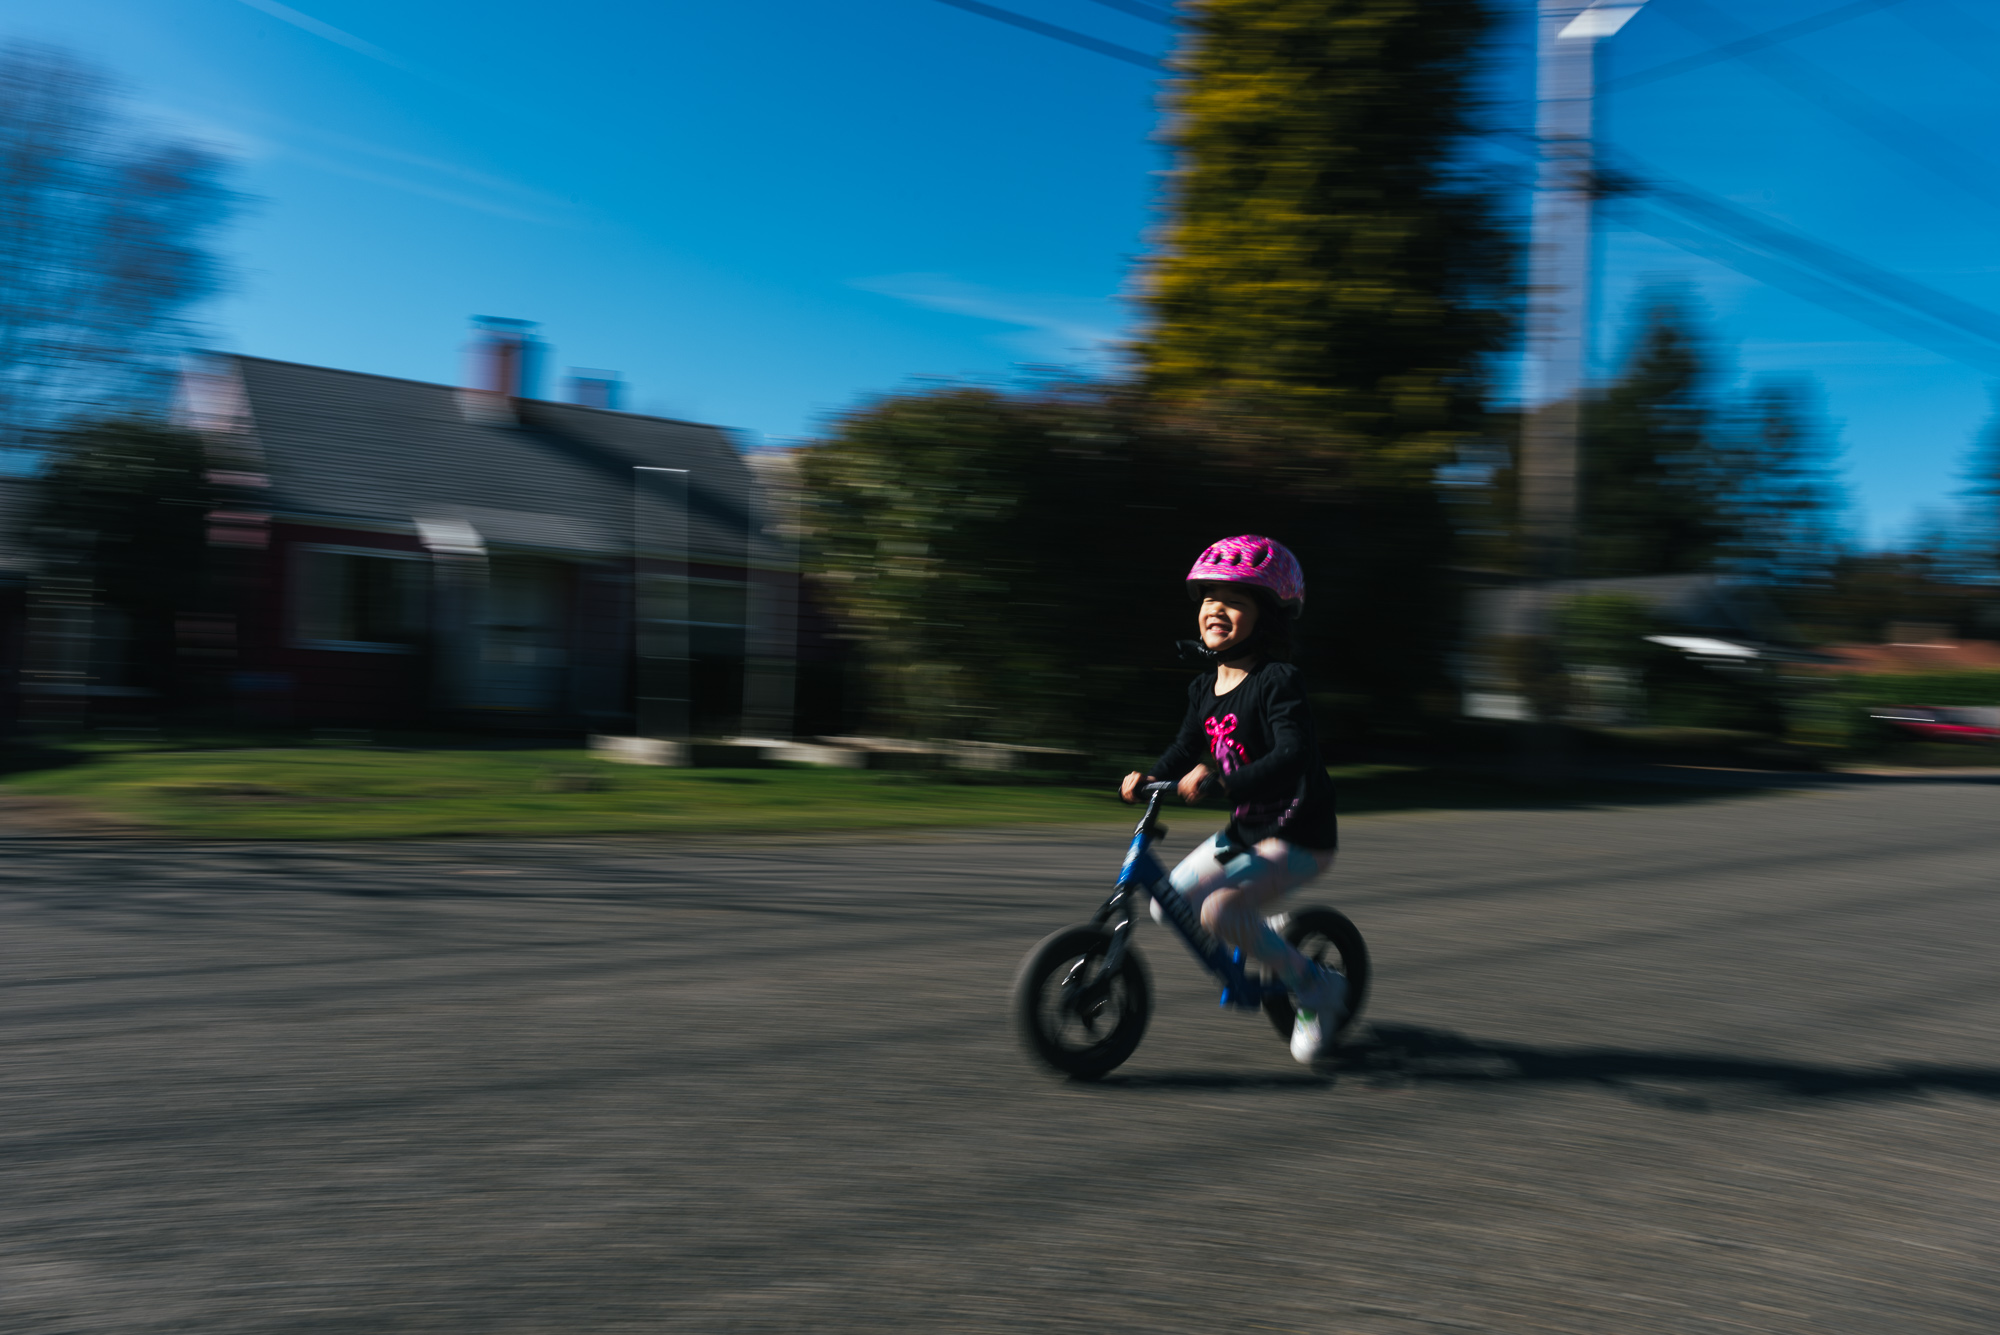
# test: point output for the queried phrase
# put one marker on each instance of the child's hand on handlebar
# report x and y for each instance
(1194, 783)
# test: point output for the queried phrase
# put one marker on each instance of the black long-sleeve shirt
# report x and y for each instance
(1260, 735)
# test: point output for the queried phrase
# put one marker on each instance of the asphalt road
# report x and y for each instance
(1717, 1065)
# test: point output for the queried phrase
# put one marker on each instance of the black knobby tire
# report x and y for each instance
(1090, 1030)
(1326, 937)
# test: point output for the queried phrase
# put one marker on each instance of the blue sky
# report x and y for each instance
(761, 213)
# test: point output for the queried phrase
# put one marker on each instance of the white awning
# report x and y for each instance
(450, 537)
(1703, 647)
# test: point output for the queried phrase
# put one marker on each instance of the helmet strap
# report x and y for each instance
(1195, 651)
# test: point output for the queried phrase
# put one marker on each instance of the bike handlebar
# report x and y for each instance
(1161, 787)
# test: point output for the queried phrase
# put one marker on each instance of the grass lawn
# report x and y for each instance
(337, 793)
(328, 793)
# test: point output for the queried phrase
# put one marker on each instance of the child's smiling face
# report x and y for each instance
(1227, 616)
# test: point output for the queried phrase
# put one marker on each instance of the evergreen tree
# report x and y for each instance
(1325, 256)
(1323, 307)
(1656, 474)
(1784, 505)
(1977, 540)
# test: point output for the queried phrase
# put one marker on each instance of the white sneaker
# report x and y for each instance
(1315, 1024)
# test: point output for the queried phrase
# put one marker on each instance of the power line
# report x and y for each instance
(1816, 271)
(1915, 141)
(1745, 46)
(1041, 29)
(1759, 248)
(1166, 18)
(1948, 26)
(1801, 282)
(1850, 269)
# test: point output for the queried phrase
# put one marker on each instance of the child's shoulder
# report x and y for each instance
(1280, 681)
(1279, 674)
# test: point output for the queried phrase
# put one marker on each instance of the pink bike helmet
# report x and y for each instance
(1258, 562)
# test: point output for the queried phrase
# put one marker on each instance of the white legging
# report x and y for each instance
(1235, 897)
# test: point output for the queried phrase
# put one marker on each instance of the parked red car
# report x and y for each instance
(1945, 723)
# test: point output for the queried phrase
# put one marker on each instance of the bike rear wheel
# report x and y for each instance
(1327, 938)
(1070, 1013)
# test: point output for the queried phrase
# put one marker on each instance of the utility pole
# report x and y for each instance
(1566, 40)
(1559, 275)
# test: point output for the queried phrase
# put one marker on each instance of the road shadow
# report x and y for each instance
(1217, 1080)
(1392, 1054)
(1595, 786)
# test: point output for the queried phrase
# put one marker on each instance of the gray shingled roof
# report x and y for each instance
(341, 445)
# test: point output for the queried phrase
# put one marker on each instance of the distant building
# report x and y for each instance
(402, 552)
(1713, 612)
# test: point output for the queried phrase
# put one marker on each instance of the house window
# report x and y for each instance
(716, 604)
(362, 600)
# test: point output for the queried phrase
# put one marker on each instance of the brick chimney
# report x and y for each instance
(506, 357)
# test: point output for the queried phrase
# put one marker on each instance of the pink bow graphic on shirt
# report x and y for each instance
(1221, 733)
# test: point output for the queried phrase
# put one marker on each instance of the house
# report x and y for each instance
(1713, 618)
(396, 552)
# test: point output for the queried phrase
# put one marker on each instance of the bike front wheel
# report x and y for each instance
(1328, 939)
(1071, 1013)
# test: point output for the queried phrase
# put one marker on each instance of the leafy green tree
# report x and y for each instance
(975, 547)
(1010, 566)
(1326, 255)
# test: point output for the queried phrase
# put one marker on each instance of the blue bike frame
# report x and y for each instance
(1143, 875)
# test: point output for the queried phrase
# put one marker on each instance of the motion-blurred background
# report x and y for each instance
(1619, 373)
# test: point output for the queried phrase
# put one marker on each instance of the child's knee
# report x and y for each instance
(1214, 912)
(1225, 914)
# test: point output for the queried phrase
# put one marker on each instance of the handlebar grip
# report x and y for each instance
(1164, 786)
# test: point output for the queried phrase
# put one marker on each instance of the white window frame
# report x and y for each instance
(298, 596)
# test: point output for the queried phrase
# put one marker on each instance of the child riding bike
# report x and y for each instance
(1249, 732)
